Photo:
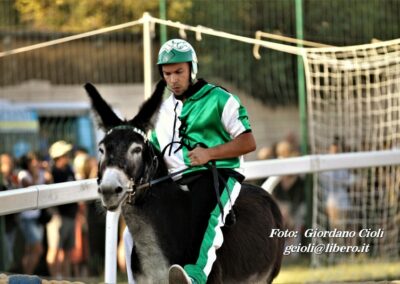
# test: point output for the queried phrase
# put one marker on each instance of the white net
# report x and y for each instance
(354, 105)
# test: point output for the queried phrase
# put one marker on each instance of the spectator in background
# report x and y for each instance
(80, 157)
(289, 191)
(335, 185)
(62, 172)
(266, 153)
(90, 225)
(9, 181)
(85, 167)
(291, 137)
(290, 194)
(31, 228)
(96, 226)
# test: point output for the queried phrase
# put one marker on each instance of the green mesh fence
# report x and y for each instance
(117, 57)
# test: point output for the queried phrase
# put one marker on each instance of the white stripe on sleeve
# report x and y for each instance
(230, 118)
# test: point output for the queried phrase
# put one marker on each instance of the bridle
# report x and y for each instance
(132, 186)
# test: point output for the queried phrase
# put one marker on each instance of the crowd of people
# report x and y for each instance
(54, 241)
(57, 241)
(290, 191)
(335, 188)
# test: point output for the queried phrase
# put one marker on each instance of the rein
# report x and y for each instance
(132, 187)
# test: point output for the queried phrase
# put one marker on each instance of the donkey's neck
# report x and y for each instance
(147, 245)
(166, 206)
(141, 223)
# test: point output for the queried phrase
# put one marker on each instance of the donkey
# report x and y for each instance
(134, 179)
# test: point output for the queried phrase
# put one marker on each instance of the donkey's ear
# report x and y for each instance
(144, 118)
(106, 116)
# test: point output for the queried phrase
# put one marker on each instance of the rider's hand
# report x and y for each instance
(199, 156)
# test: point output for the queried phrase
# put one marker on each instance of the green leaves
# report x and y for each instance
(84, 15)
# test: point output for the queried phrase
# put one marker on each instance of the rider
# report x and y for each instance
(201, 126)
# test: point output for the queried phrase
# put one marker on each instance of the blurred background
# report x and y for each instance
(42, 101)
(115, 59)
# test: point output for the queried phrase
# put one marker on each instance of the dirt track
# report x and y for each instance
(4, 279)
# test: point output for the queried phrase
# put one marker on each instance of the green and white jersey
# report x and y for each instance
(209, 117)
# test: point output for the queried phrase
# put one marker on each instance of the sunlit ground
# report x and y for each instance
(301, 272)
(355, 273)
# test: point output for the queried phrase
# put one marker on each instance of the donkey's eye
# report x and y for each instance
(136, 150)
(101, 150)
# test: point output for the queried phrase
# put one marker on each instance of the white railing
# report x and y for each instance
(43, 196)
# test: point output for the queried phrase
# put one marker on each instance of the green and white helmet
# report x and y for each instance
(177, 51)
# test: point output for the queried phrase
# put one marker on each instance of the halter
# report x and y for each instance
(130, 127)
(131, 186)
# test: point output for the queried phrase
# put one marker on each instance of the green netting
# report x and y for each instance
(117, 57)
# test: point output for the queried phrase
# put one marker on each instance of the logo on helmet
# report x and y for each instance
(178, 45)
(177, 51)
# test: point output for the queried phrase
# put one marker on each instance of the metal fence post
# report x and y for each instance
(110, 269)
(163, 15)
(147, 62)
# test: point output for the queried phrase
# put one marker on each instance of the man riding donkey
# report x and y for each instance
(204, 129)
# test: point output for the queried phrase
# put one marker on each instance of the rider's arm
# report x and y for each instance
(242, 144)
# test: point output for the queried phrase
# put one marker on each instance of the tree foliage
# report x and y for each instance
(273, 79)
(82, 15)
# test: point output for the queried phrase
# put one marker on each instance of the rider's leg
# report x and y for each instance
(207, 217)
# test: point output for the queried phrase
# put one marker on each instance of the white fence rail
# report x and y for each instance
(43, 196)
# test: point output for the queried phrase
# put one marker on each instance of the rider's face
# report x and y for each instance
(177, 76)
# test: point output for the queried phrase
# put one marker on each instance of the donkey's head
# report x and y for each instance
(125, 156)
